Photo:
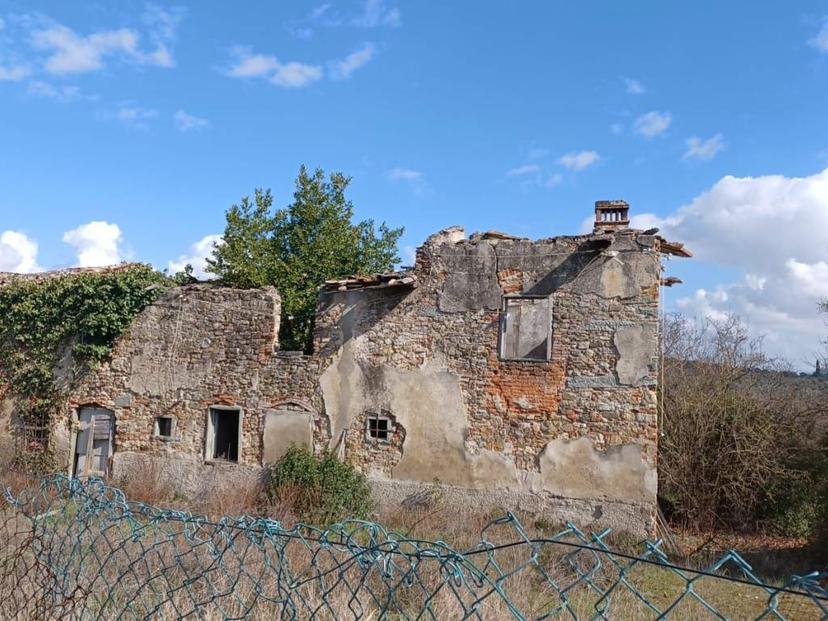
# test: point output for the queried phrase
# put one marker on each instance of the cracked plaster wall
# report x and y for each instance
(581, 425)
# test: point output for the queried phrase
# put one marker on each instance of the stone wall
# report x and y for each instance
(195, 347)
(581, 425)
(575, 432)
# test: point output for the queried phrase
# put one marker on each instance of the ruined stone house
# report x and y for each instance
(516, 373)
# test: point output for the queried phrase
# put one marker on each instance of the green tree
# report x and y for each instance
(297, 248)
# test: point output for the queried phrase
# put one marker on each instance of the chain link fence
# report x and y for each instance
(81, 550)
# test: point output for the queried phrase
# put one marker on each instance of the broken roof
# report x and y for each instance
(370, 281)
(675, 248)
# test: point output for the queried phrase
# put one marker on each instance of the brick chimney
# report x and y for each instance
(611, 216)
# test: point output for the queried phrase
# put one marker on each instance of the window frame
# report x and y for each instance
(210, 435)
(156, 428)
(378, 416)
(503, 324)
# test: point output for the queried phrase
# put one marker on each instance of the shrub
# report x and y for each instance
(740, 444)
(322, 490)
(796, 506)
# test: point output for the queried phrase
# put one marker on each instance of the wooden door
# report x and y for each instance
(93, 445)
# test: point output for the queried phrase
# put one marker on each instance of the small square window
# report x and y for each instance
(379, 428)
(164, 427)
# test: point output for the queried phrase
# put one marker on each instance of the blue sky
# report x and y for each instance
(127, 129)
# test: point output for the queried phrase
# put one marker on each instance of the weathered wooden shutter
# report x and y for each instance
(102, 427)
(82, 441)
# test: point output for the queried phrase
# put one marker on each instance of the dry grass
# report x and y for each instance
(213, 580)
(151, 483)
(16, 481)
(243, 497)
(10, 477)
(67, 565)
(148, 482)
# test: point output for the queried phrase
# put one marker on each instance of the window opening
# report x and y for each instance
(379, 427)
(225, 434)
(164, 426)
(526, 328)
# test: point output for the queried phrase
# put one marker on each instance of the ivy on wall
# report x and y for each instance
(53, 329)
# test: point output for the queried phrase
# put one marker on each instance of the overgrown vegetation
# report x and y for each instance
(52, 329)
(741, 444)
(254, 570)
(321, 490)
(297, 248)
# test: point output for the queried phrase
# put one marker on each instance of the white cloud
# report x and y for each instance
(641, 221)
(72, 53)
(320, 10)
(634, 87)
(135, 117)
(288, 75)
(552, 180)
(820, 41)
(197, 257)
(296, 75)
(372, 14)
(14, 73)
(652, 124)
(65, 92)
(579, 161)
(187, 122)
(301, 32)
(64, 51)
(706, 304)
(533, 175)
(305, 27)
(343, 68)
(162, 24)
(96, 243)
(812, 278)
(757, 283)
(404, 174)
(253, 65)
(376, 13)
(699, 149)
(773, 230)
(161, 57)
(414, 178)
(18, 253)
(526, 169)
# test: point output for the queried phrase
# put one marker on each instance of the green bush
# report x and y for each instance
(798, 505)
(798, 515)
(321, 490)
